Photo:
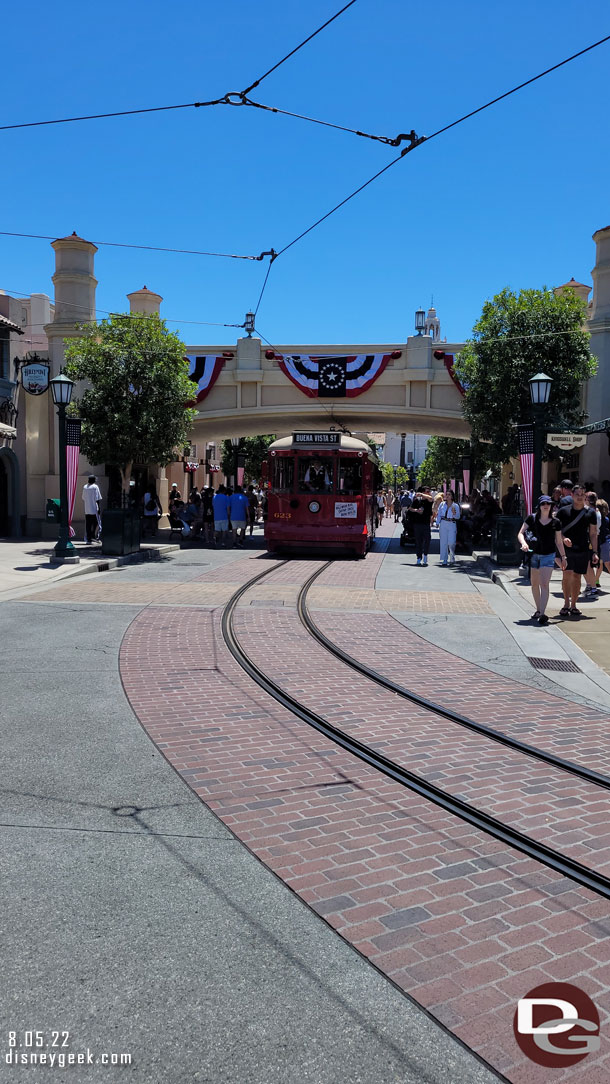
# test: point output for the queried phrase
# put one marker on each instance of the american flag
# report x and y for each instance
(526, 452)
(72, 452)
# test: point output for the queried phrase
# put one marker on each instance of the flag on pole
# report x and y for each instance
(526, 453)
(73, 427)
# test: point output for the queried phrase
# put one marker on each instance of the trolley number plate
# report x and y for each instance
(282, 515)
(346, 510)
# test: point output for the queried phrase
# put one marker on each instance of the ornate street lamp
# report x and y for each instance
(61, 389)
(249, 324)
(540, 393)
(420, 321)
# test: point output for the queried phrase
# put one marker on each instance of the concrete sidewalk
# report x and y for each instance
(28, 563)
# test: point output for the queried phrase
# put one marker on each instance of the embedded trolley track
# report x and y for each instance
(547, 856)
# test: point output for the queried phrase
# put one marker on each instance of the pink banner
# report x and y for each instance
(461, 485)
(467, 483)
(444, 487)
(240, 476)
(453, 486)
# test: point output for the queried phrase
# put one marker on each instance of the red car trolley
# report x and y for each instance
(320, 494)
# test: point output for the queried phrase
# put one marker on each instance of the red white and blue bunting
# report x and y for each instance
(204, 370)
(333, 377)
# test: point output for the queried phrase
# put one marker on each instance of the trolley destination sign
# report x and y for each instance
(316, 438)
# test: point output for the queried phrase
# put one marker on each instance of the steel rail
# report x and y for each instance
(539, 852)
(553, 761)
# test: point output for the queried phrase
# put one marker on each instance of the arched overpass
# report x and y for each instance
(251, 393)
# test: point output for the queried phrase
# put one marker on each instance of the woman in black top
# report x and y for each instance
(541, 536)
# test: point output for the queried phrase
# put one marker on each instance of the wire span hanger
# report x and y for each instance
(241, 98)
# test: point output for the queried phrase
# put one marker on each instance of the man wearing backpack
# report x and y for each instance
(578, 525)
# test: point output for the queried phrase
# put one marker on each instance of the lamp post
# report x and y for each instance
(61, 389)
(420, 321)
(235, 441)
(540, 391)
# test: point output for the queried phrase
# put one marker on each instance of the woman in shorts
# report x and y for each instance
(540, 535)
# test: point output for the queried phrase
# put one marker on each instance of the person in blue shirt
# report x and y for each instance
(220, 505)
(238, 512)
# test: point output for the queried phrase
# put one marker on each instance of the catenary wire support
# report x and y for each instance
(242, 99)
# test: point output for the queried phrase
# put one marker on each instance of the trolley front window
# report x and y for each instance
(350, 476)
(315, 474)
(282, 478)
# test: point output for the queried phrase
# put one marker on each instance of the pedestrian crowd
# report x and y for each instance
(217, 518)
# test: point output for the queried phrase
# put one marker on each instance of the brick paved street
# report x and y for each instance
(460, 922)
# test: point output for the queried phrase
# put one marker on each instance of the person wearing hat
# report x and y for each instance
(541, 536)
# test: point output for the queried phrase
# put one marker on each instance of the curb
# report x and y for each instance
(575, 653)
(154, 553)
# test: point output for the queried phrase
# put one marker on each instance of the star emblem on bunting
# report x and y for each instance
(330, 377)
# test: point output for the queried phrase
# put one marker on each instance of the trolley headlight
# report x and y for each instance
(314, 506)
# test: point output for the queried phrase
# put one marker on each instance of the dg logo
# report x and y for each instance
(556, 1025)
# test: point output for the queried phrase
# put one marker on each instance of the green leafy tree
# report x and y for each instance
(443, 460)
(402, 476)
(134, 407)
(517, 336)
(255, 451)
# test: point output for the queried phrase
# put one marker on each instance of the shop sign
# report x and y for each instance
(35, 377)
(566, 441)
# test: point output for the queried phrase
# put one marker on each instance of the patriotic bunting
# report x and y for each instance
(449, 362)
(526, 453)
(204, 371)
(73, 427)
(336, 377)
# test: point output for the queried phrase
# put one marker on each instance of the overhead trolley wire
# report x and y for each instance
(416, 141)
(146, 248)
(227, 99)
(527, 83)
(258, 81)
(118, 113)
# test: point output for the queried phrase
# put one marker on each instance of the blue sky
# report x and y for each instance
(510, 197)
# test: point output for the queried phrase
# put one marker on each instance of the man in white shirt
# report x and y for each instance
(92, 498)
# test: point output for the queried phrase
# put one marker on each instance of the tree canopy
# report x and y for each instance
(443, 460)
(517, 336)
(133, 407)
(402, 476)
(255, 451)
